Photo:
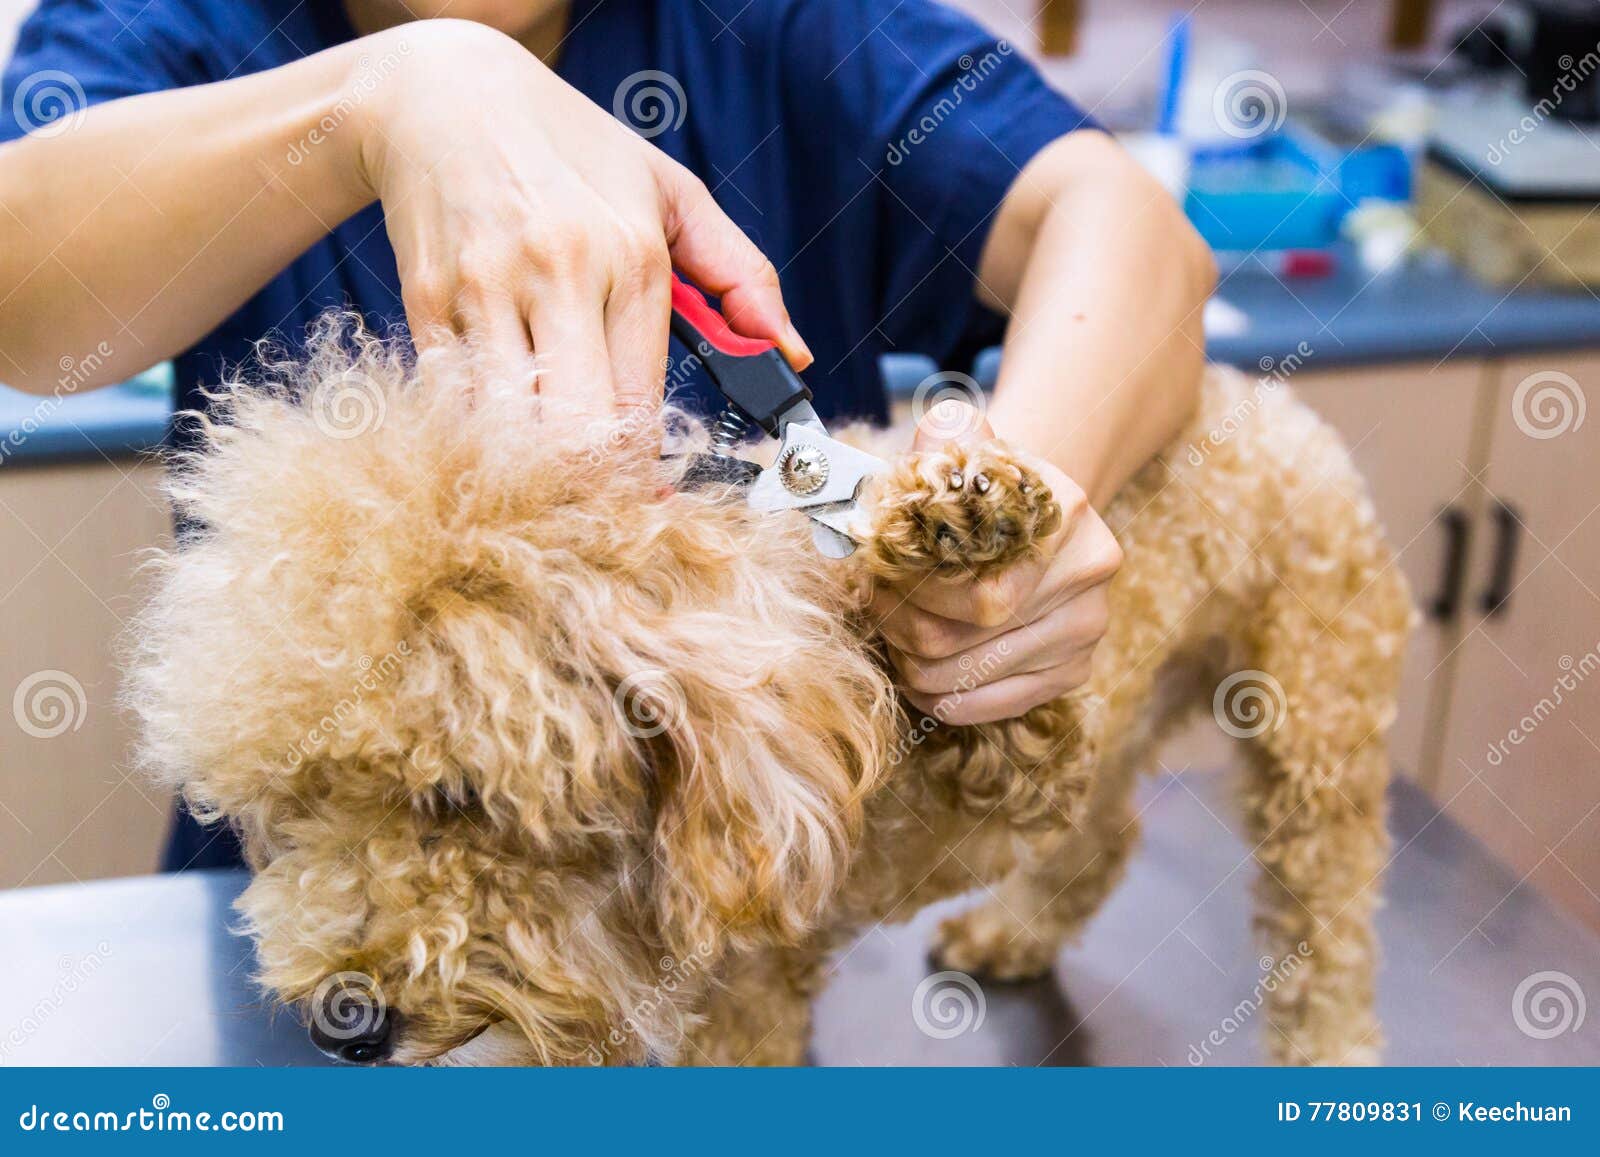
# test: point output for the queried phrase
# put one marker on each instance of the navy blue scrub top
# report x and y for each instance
(864, 146)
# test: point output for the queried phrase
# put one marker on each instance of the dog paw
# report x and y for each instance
(988, 944)
(959, 510)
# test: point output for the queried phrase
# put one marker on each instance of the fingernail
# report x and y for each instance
(793, 339)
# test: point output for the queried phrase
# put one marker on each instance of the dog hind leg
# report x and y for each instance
(1315, 800)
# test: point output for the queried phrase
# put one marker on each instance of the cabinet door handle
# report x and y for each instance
(1452, 583)
(1503, 580)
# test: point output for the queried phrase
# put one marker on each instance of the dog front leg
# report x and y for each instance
(759, 1013)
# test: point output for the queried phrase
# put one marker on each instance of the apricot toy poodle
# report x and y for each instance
(540, 756)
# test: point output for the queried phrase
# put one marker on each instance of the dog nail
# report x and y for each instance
(956, 481)
(980, 483)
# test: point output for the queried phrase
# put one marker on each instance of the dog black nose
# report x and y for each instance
(351, 1023)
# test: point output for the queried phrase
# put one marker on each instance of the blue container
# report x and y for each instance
(1269, 194)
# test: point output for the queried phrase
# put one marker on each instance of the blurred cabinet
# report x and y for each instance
(69, 538)
(1520, 749)
(1484, 474)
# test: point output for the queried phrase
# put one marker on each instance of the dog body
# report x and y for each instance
(632, 765)
(1257, 585)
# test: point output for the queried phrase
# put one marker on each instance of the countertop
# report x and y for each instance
(1424, 310)
(144, 971)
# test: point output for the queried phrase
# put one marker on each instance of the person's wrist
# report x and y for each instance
(389, 72)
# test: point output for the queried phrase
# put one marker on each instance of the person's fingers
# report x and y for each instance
(915, 631)
(1069, 629)
(997, 600)
(497, 334)
(569, 346)
(427, 296)
(638, 320)
(715, 254)
(1005, 698)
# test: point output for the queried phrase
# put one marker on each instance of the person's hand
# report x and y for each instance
(975, 651)
(528, 220)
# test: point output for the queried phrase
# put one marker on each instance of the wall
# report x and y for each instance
(1305, 43)
(11, 14)
(1118, 54)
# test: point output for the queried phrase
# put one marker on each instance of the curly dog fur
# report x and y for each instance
(577, 766)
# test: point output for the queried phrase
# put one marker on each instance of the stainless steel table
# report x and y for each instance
(145, 971)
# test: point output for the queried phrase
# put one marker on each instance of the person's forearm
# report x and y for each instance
(1105, 287)
(147, 222)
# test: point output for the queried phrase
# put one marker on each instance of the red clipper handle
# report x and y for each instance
(751, 374)
(690, 304)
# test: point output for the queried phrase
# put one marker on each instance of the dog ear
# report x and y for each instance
(761, 775)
